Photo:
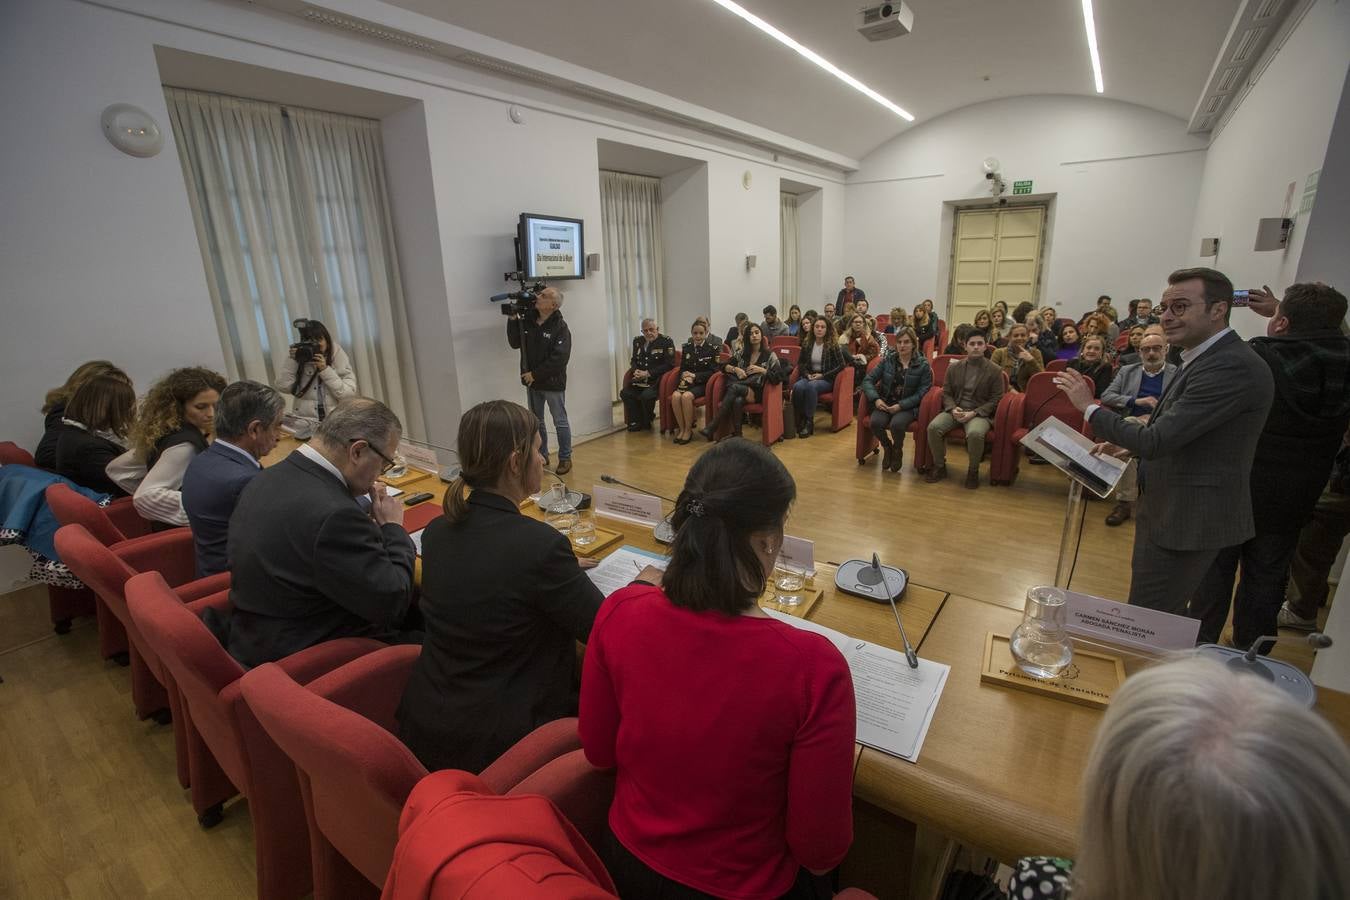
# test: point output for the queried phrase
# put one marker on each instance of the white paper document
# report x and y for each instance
(895, 703)
(1070, 452)
(620, 568)
(417, 540)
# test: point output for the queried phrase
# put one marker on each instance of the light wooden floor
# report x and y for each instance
(90, 807)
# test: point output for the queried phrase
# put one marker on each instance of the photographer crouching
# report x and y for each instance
(545, 345)
(316, 372)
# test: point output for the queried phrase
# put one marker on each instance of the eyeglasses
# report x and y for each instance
(1155, 349)
(388, 463)
(1177, 308)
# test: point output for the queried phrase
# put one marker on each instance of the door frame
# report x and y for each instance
(947, 240)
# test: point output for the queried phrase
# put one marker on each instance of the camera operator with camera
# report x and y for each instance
(545, 345)
(316, 372)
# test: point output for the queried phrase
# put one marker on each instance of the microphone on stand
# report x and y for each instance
(664, 532)
(1281, 674)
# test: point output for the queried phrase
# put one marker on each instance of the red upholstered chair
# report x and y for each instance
(784, 340)
(890, 340)
(355, 775)
(932, 405)
(228, 751)
(1123, 340)
(667, 390)
(769, 409)
(1021, 413)
(1057, 365)
(841, 413)
(882, 320)
(11, 454)
(111, 524)
(789, 354)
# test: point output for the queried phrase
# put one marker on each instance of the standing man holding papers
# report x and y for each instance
(1196, 449)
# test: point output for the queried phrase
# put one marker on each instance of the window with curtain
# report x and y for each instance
(292, 215)
(630, 216)
(788, 258)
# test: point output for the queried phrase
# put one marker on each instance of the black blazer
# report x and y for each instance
(309, 565)
(504, 601)
(211, 487)
(83, 458)
(45, 454)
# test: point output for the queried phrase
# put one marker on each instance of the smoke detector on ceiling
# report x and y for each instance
(885, 21)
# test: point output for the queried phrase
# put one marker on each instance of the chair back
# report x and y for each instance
(581, 791)
(95, 564)
(890, 340)
(1043, 400)
(355, 774)
(789, 353)
(1056, 365)
(873, 363)
(940, 365)
(11, 454)
(784, 340)
(883, 320)
(1122, 340)
(72, 508)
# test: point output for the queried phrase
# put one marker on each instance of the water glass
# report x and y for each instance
(562, 515)
(1040, 645)
(583, 532)
(788, 584)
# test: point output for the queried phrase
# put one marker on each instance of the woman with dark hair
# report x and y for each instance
(925, 328)
(322, 381)
(54, 407)
(746, 374)
(957, 347)
(895, 388)
(821, 361)
(93, 431)
(698, 363)
(505, 601)
(1038, 338)
(807, 334)
(1092, 362)
(1019, 313)
(794, 320)
(731, 733)
(172, 427)
(1068, 342)
(984, 324)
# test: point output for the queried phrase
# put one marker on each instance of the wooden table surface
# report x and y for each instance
(1000, 770)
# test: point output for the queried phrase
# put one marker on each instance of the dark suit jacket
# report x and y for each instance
(308, 565)
(211, 487)
(504, 601)
(83, 458)
(1195, 453)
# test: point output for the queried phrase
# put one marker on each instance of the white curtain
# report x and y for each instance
(292, 215)
(788, 257)
(630, 215)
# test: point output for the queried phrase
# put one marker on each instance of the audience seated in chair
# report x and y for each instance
(999, 325)
(93, 432)
(1093, 363)
(1039, 338)
(894, 390)
(1068, 339)
(1132, 356)
(957, 347)
(767, 769)
(925, 327)
(1019, 360)
(698, 363)
(746, 375)
(984, 324)
(971, 391)
(772, 326)
(54, 407)
(505, 601)
(309, 564)
(1205, 783)
(653, 356)
(247, 425)
(819, 365)
(794, 320)
(734, 333)
(860, 345)
(1135, 391)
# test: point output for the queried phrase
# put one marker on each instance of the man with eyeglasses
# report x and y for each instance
(308, 562)
(1134, 392)
(1195, 451)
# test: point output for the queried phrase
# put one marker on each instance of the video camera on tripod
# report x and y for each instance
(523, 300)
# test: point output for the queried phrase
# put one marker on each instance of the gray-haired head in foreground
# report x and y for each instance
(1204, 782)
(359, 419)
(244, 402)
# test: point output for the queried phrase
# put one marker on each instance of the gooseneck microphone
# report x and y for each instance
(1281, 674)
(1317, 640)
(610, 479)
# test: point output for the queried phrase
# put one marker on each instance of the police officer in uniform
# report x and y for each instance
(653, 356)
(698, 364)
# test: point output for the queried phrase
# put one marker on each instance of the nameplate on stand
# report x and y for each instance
(627, 506)
(423, 458)
(797, 553)
(1134, 627)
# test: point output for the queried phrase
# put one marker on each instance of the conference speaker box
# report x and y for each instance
(1272, 234)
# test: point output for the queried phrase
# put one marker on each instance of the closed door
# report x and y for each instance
(996, 255)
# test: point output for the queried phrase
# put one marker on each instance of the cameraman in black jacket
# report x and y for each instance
(545, 343)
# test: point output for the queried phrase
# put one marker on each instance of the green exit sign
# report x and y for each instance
(1021, 187)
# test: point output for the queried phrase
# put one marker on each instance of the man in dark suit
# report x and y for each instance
(309, 564)
(248, 420)
(653, 356)
(1195, 450)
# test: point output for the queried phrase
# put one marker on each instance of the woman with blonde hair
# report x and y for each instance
(999, 324)
(54, 406)
(505, 601)
(1204, 782)
(172, 427)
(984, 324)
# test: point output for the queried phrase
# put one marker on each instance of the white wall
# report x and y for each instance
(1277, 135)
(1123, 178)
(1328, 227)
(684, 236)
(99, 248)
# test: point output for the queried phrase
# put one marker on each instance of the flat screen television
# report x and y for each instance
(552, 248)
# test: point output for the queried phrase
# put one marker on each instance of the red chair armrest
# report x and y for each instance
(531, 753)
(169, 553)
(204, 587)
(219, 601)
(122, 513)
(320, 659)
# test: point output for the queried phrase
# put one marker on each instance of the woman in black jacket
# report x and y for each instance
(505, 601)
(54, 407)
(93, 432)
(746, 374)
(821, 361)
(1091, 361)
(698, 363)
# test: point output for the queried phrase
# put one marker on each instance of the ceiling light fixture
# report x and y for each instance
(822, 61)
(1090, 24)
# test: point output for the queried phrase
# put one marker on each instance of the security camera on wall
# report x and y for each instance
(992, 175)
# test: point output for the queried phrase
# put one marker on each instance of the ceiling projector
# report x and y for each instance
(885, 21)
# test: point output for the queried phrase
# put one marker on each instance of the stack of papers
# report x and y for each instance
(623, 565)
(895, 703)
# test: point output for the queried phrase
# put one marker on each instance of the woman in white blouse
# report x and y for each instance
(173, 426)
(322, 381)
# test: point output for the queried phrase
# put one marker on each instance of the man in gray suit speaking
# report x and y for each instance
(1195, 451)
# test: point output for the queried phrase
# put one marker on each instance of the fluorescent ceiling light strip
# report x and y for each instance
(1091, 25)
(813, 56)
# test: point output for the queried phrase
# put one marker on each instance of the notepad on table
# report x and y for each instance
(623, 565)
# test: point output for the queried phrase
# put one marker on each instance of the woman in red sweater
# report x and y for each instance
(731, 732)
